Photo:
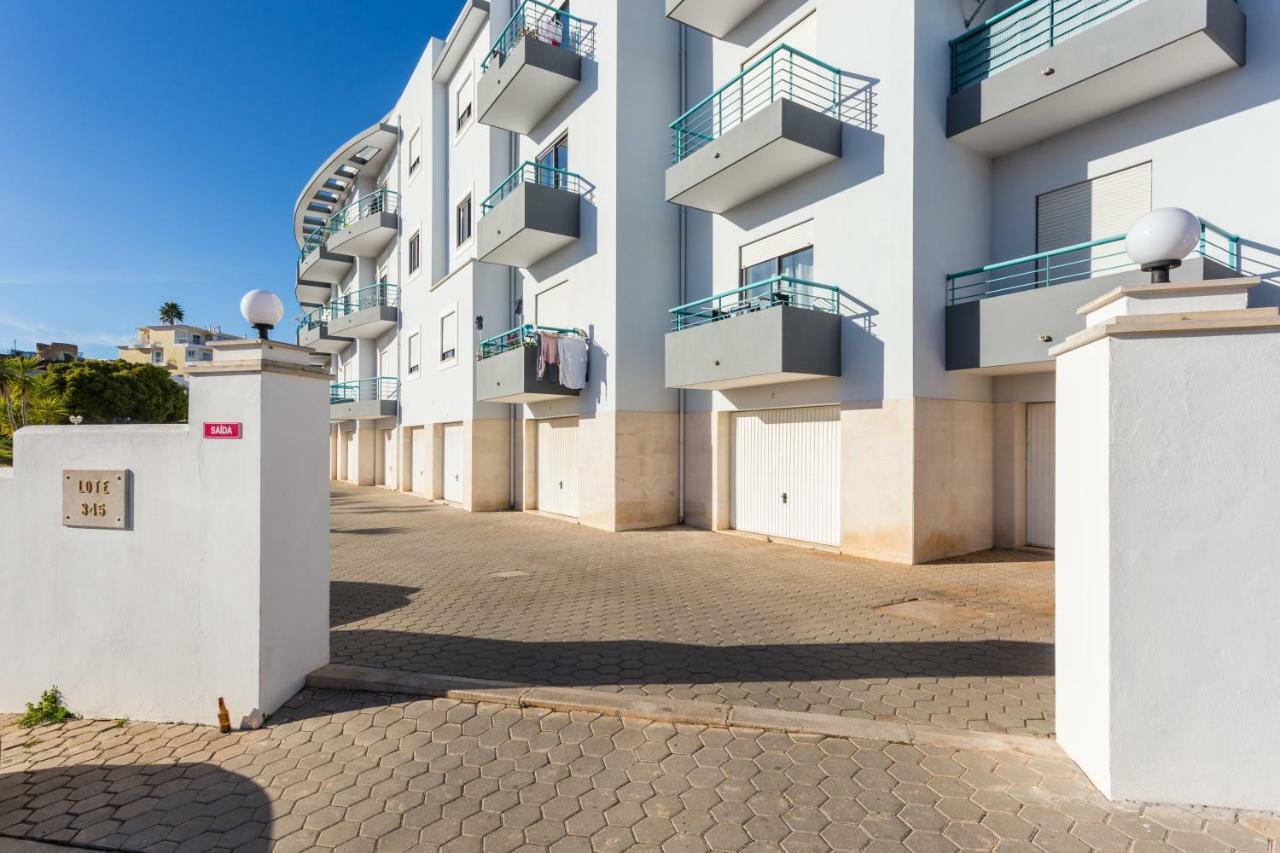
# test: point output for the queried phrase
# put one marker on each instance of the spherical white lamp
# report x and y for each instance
(1160, 240)
(262, 309)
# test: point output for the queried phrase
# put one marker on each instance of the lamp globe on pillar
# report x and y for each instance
(1160, 240)
(262, 309)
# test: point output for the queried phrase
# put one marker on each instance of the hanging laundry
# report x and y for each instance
(548, 352)
(573, 362)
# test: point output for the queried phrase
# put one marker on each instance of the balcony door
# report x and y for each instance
(1087, 211)
(553, 163)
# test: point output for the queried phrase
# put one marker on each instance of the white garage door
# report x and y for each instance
(418, 460)
(558, 466)
(452, 468)
(1040, 474)
(786, 473)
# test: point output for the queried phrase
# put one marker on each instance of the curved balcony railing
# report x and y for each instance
(381, 200)
(774, 292)
(365, 390)
(547, 24)
(782, 73)
(521, 336)
(529, 172)
(1076, 263)
(315, 319)
(374, 296)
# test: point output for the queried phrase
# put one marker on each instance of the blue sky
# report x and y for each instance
(153, 149)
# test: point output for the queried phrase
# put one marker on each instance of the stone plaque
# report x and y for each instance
(95, 499)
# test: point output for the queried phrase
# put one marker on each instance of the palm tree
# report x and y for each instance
(171, 313)
(9, 376)
(24, 384)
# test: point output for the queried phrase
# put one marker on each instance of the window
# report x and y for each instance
(415, 151)
(462, 220)
(796, 266)
(553, 162)
(206, 356)
(157, 357)
(196, 339)
(415, 352)
(449, 336)
(463, 102)
(415, 252)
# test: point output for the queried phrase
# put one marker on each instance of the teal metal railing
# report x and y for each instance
(529, 172)
(364, 390)
(546, 24)
(381, 200)
(520, 336)
(377, 295)
(770, 293)
(782, 73)
(1076, 263)
(316, 318)
(1021, 31)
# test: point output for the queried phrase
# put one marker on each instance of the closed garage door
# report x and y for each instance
(558, 466)
(418, 460)
(452, 468)
(786, 473)
(1040, 466)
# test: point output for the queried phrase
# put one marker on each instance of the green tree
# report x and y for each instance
(20, 383)
(115, 392)
(171, 313)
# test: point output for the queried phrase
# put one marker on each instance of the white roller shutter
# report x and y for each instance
(786, 473)
(1088, 211)
(558, 466)
(1040, 474)
(452, 467)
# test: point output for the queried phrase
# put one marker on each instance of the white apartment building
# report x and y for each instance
(817, 250)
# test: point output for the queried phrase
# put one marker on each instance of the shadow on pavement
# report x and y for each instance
(351, 601)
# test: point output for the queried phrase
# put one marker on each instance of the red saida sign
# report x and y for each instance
(221, 429)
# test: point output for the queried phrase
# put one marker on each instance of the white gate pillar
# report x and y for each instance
(1168, 545)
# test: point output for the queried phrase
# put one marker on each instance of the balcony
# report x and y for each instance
(1042, 67)
(780, 330)
(714, 17)
(507, 368)
(535, 211)
(364, 399)
(777, 120)
(1004, 317)
(366, 313)
(313, 294)
(314, 331)
(365, 226)
(534, 64)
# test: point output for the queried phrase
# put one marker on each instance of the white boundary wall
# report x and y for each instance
(221, 587)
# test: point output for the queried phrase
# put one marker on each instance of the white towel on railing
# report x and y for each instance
(573, 362)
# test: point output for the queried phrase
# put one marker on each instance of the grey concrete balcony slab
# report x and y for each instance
(313, 293)
(772, 345)
(1143, 51)
(518, 93)
(714, 17)
(773, 147)
(320, 337)
(533, 221)
(363, 410)
(323, 266)
(512, 377)
(367, 237)
(1013, 332)
(371, 322)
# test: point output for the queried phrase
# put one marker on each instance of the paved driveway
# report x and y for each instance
(691, 614)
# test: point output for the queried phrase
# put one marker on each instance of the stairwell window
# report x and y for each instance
(415, 252)
(415, 151)
(462, 220)
(448, 337)
(415, 353)
(463, 101)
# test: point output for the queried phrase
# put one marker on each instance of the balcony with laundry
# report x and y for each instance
(535, 211)
(532, 364)
(364, 399)
(782, 117)
(1041, 67)
(534, 64)
(1005, 316)
(779, 329)
(322, 211)
(716, 18)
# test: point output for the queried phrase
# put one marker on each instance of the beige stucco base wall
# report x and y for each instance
(916, 477)
(1009, 475)
(628, 466)
(486, 465)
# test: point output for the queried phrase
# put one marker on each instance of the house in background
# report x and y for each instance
(175, 348)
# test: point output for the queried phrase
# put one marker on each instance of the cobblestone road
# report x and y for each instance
(361, 772)
(691, 614)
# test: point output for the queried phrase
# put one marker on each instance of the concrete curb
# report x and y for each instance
(661, 709)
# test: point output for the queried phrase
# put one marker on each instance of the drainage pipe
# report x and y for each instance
(513, 151)
(682, 278)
